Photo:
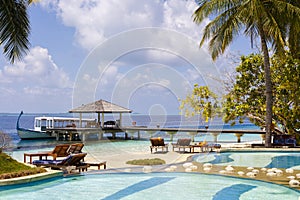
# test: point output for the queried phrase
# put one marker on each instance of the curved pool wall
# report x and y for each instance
(149, 186)
(252, 159)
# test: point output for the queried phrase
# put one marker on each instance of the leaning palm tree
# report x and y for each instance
(14, 28)
(257, 19)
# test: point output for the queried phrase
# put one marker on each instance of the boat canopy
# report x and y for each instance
(42, 123)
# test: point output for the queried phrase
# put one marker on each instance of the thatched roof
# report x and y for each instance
(100, 106)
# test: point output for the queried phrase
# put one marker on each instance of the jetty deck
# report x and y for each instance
(136, 130)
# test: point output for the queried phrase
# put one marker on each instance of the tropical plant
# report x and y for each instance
(5, 140)
(245, 100)
(151, 161)
(256, 18)
(14, 28)
(202, 102)
(292, 31)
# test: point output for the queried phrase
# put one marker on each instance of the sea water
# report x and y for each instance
(8, 125)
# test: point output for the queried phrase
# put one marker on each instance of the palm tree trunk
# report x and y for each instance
(268, 82)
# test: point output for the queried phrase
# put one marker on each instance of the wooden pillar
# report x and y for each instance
(193, 134)
(100, 135)
(80, 120)
(82, 136)
(215, 135)
(239, 135)
(102, 122)
(120, 120)
(57, 135)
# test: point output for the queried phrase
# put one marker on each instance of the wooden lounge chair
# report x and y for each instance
(284, 140)
(75, 148)
(214, 146)
(202, 145)
(60, 150)
(279, 140)
(182, 143)
(157, 143)
(74, 160)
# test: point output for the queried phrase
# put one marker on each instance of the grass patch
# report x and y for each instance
(153, 161)
(10, 168)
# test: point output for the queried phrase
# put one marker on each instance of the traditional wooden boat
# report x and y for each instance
(41, 124)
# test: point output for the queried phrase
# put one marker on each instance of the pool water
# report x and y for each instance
(149, 186)
(253, 159)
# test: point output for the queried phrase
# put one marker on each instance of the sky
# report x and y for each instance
(143, 55)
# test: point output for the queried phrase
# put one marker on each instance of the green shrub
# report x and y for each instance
(10, 168)
(153, 161)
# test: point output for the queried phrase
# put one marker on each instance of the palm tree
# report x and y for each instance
(14, 28)
(293, 32)
(257, 19)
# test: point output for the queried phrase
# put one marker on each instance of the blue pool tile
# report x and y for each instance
(233, 192)
(284, 161)
(137, 187)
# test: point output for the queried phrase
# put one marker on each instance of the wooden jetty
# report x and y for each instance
(102, 107)
(82, 133)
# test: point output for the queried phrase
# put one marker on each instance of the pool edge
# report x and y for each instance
(30, 178)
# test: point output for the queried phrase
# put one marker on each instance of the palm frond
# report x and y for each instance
(14, 28)
(232, 16)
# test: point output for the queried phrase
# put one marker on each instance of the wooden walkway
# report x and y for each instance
(132, 130)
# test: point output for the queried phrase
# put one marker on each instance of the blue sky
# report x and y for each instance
(143, 55)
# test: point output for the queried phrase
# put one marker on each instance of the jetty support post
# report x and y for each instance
(120, 120)
(215, 135)
(82, 136)
(171, 133)
(102, 122)
(150, 133)
(80, 120)
(193, 134)
(239, 135)
(263, 138)
(131, 132)
(100, 135)
(57, 134)
(139, 135)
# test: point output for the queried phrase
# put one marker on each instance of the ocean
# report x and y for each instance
(8, 126)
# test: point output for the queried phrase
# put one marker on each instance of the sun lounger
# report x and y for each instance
(75, 148)
(202, 145)
(182, 143)
(60, 150)
(280, 141)
(158, 143)
(214, 146)
(74, 160)
(97, 164)
(284, 140)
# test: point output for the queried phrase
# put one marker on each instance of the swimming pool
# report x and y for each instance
(253, 159)
(149, 186)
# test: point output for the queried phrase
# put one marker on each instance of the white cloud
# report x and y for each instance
(36, 69)
(192, 74)
(35, 84)
(97, 20)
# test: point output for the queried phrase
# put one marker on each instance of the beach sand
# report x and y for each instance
(119, 161)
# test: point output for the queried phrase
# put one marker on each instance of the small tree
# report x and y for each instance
(5, 140)
(246, 99)
(201, 102)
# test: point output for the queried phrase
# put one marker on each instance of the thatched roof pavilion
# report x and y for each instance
(100, 106)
